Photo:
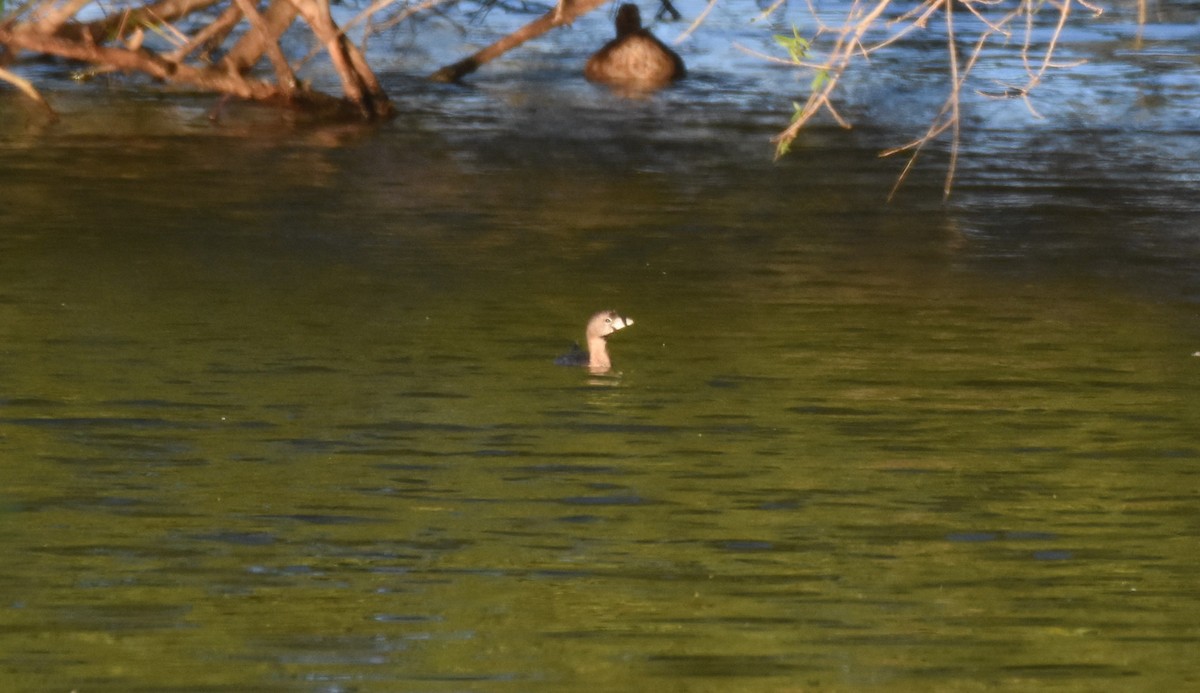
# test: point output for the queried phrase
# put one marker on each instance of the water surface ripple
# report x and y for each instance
(280, 413)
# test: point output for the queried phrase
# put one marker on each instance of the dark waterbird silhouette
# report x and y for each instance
(635, 59)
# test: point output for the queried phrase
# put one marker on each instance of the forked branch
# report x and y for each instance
(991, 21)
(122, 41)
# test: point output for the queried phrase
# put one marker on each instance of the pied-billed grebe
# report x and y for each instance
(599, 327)
(635, 58)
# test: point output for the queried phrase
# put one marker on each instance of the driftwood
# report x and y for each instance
(566, 12)
(131, 39)
(117, 42)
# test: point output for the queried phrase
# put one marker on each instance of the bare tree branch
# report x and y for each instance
(268, 40)
(848, 44)
(252, 45)
(560, 15)
(359, 84)
(140, 60)
(27, 88)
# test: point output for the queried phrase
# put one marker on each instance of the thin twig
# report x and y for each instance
(223, 23)
(775, 59)
(178, 37)
(390, 21)
(26, 87)
(768, 12)
(846, 45)
(995, 18)
(60, 15)
(955, 112)
(695, 23)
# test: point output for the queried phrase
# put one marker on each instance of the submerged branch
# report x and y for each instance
(26, 87)
(140, 60)
(267, 40)
(116, 25)
(268, 27)
(131, 40)
(118, 42)
(564, 13)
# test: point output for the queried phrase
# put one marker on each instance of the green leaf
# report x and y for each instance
(796, 45)
(783, 148)
(819, 79)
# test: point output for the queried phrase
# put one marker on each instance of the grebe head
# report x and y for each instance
(605, 323)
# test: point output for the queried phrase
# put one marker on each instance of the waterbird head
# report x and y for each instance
(605, 323)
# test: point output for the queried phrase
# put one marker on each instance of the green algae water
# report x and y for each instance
(280, 413)
(323, 447)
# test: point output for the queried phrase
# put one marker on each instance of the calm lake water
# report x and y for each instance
(278, 410)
